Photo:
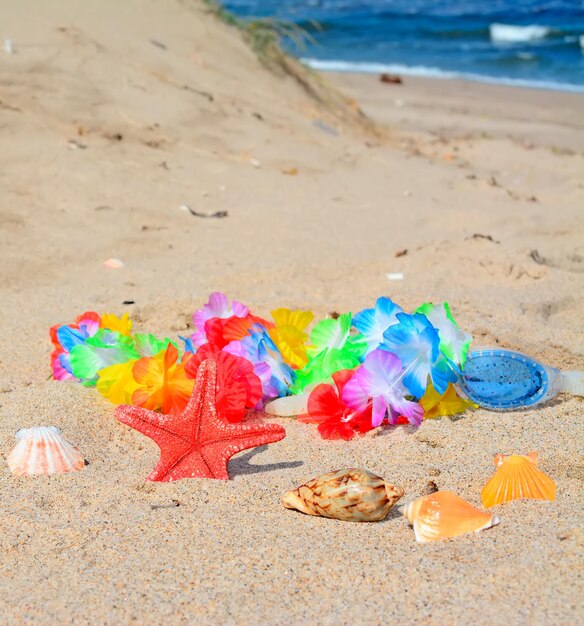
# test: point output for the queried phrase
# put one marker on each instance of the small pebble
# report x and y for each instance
(114, 264)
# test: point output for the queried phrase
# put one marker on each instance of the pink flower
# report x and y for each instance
(217, 306)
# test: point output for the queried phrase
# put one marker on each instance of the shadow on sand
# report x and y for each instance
(241, 465)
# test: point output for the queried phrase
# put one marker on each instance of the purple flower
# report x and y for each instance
(379, 382)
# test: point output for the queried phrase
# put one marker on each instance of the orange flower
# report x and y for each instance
(163, 383)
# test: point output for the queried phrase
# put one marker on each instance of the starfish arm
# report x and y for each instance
(173, 446)
(179, 457)
(217, 451)
(155, 425)
(170, 468)
(190, 465)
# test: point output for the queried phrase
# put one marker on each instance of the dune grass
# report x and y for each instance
(265, 35)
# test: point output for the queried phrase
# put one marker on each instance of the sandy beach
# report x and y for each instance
(114, 115)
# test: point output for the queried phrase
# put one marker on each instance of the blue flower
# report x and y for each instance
(189, 347)
(454, 342)
(372, 323)
(257, 347)
(416, 342)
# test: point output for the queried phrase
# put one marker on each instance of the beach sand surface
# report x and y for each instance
(113, 115)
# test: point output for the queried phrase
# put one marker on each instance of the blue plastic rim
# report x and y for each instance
(501, 379)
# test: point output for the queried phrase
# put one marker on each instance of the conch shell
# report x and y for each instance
(517, 477)
(43, 450)
(351, 495)
(443, 515)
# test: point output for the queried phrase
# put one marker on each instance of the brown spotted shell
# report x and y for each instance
(352, 495)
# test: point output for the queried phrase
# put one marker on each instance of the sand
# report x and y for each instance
(113, 115)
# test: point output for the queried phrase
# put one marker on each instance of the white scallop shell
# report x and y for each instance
(43, 450)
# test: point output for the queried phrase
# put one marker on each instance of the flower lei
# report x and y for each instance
(379, 366)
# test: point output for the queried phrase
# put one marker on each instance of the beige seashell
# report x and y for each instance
(288, 405)
(43, 450)
(443, 515)
(351, 495)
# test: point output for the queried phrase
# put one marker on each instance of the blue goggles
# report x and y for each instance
(504, 380)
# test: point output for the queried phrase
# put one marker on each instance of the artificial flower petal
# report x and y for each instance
(449, 403)
(122, 325)
(378, 382)
(116, 382)
(289, 334)
(219, 332)
(330, 333)
(322, 367)
(162, 382)
(372, 323)
(257, 347)
(416, 343)
(336, 419)
(238, 387)
(218, 306)
(454, 343)
(69, 337)
(149, 345)
(59, 371)
(103, 349)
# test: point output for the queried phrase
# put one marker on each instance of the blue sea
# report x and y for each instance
(521, 42)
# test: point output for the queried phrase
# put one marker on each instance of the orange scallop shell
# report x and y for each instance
(517, 477)
(443, 515)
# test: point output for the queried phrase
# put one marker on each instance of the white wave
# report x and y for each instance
(434, 72)
(510, 34)
(378, 68)
(582, 42)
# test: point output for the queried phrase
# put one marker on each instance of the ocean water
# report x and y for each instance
(524, 42)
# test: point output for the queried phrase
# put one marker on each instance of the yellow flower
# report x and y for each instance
(449, 403)
(122, 325)
(290, 336)
(116, 382)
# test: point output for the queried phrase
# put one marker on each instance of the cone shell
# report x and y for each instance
(517, 477)
(43, 450)
(443, 515)
(351, 495)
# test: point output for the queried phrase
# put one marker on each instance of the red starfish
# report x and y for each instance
(197, 443)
